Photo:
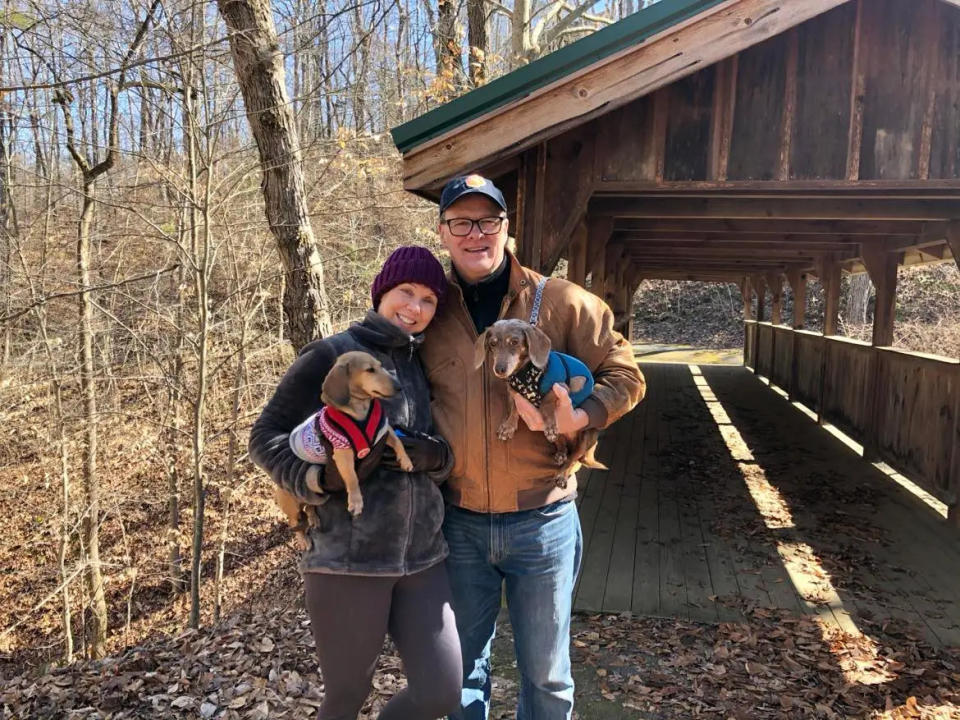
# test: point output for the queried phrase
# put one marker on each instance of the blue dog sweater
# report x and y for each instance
(533, 383)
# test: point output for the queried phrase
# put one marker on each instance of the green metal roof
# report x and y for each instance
(632, 30)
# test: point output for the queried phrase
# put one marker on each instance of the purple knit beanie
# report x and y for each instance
(413, 264)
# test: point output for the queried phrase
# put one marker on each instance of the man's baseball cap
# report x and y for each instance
(467, 185)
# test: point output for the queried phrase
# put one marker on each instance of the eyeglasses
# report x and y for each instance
(461, 227)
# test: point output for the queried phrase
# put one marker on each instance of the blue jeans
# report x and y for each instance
(537, 553)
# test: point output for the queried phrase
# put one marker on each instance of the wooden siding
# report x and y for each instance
(891, 112)
(917, 418)
(903, 406)
(848, 383)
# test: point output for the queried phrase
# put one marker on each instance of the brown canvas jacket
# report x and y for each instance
(490, 475)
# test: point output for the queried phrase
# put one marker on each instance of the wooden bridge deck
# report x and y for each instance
(721, 497)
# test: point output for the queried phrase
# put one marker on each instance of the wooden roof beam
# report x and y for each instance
(828, 208)
(839, 241)
(832, 228)
(743, 246)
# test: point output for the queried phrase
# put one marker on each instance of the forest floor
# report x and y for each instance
(258, 660)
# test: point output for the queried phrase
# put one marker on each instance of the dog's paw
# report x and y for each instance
(355, 505)
(551, 433)
(300, 542)
(406, 465)
(506, 431)
(560, 457)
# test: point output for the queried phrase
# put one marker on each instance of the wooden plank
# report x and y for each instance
(625, 143)
(826, 207)
(687, 141)
(645, 599)
(590, 504)
(857, 90)
(828, 271)
(618, 594)
(788, 113)
(896, 65)
(944, 155)
(596, 557)
(721, 121)
(754, 146)
(775, 283)
(825, 54)
(713, 34)
(673, 591)
(835, 230)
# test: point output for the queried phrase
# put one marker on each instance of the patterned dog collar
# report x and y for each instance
(526, 382)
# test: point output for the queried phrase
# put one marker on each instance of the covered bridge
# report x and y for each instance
(758, 142)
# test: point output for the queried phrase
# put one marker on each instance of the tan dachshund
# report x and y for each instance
(515, 348)
(353, 421)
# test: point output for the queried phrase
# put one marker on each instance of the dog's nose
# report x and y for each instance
(500, 369)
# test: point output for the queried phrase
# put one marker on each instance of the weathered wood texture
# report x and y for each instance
(918, 431)
(750, 343)
(809, 361)
(676, 528)
(848, 379)
(765, 342)
(782, 370)
(890, 85)
(902, 406)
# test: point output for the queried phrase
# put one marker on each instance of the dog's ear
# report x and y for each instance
(336, 386)
(538, 345)
(480, 350)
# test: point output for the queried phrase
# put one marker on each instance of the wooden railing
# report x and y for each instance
(903, 407)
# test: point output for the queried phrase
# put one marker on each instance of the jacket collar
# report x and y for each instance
(521, 279)
(376, 330)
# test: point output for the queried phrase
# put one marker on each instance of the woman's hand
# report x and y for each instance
(426, 453)
(570, 420)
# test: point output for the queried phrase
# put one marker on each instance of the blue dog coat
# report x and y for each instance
(533, 383)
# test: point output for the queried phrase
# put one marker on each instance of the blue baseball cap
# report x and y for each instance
(467, 185)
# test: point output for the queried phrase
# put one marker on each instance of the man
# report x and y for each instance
(509, 521)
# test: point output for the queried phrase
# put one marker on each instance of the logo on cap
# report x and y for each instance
(474, 181)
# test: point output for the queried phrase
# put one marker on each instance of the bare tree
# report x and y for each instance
(259, 67)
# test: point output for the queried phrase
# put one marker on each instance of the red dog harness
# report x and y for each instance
(344, 432)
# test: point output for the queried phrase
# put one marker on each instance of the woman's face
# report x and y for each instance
(410, 306)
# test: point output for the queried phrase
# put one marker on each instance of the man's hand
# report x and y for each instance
(570, 420)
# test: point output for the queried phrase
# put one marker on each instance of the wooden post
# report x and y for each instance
(610, 293)
(829, 270)
(530, 202)
(599, 230)
(746, 293)
(761, 289)
(775, 283)
(953, 240)
(577, 256)
(798, 284)
(882, 267)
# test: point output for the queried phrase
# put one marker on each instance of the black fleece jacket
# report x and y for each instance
(399, 530)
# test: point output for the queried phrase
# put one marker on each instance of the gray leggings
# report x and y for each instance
(350, 616)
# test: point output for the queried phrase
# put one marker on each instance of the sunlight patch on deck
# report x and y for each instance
(811, 582)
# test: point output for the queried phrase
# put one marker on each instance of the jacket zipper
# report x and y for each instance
(410, 419)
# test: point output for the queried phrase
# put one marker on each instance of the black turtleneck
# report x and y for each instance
(485, 298)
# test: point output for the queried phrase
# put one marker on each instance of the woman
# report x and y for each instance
(384, 570)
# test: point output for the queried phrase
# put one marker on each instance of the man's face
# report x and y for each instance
(477, 254)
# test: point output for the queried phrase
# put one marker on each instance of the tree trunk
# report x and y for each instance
(448, 42)
(520, 33)
(477, 37)
(259, 67)
(858, 296)
(91, 482)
